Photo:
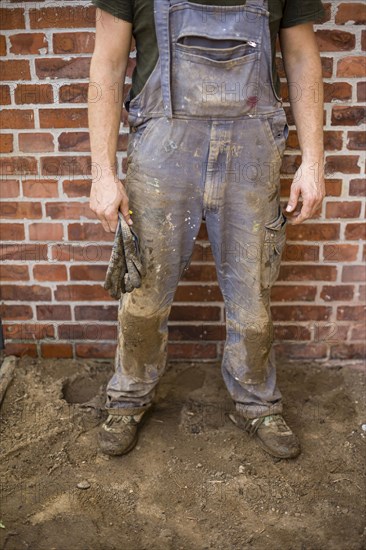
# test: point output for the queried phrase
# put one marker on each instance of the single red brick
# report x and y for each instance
(351, 12)
(293, 293)
(56, 67)
(40, 188)
(352, 67)
(308, 273)
(16, 313)
(73, 42)
(93, 232)
(354, 273)
(36, 143)
(332, 141)
(74, 141)
(200, 272)
(337, 293)
(34, 293)
(301, 351)
(291, 332)
(24, 252)
(347, 164)
(16, 119)
(13, 272)
(347, 115)
(96, 313)
(47, 312)
(69, 211)
(361, 91)
(192, 313)
(29, 43)
(87, 272)
(337, 90)
(56, 350)
(63, 118)
(314, 232)
(334, 40)
(29, 331)
(65, 166)
(94, 331)
(46, 231)
(351, 313)
(327, 67)
(198, 293)
(15, 69)
(12, 231)
(97, 350)
(359, 332)
(77, 188)
(340, 252)
(356, 141)
(355, 231)
(20, 350)
(345, 209)
(2, 45)
(75, 293)
(300, 253)
(5, 98)
(357, 188)
(6, 143)
(20, 210)
(12, 18)
(192, 351)
(62, 17)
(363, 40)
(50, 272)
(9, 189)
(76, 92)
(348, 351)
(301, 313)
(33, 93)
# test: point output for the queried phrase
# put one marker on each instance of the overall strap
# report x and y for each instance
(161, 15)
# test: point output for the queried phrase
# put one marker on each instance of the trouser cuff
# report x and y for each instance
(255, 411)
(126, 411)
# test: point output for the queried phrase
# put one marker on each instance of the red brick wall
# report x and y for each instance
(56, 251)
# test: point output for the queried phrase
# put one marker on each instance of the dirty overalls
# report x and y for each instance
(207, 137)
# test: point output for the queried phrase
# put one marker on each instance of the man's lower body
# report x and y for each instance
(226, 172)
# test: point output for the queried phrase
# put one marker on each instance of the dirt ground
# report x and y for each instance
(195, 481)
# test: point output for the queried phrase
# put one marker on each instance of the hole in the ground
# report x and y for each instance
(81, 390)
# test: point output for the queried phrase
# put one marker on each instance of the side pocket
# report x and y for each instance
(277, 130)
(274, 244)
(138, 135)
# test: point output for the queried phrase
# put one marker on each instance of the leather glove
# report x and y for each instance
(125, 269)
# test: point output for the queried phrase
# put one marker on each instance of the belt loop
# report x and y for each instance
(161, 14)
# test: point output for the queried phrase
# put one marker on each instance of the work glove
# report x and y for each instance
(125, 269)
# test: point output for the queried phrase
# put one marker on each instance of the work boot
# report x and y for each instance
(118, 434)
(271, 433)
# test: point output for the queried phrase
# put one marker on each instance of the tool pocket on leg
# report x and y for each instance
(277, 131)
(274, 244)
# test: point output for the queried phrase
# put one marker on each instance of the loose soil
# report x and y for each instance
(194, 481)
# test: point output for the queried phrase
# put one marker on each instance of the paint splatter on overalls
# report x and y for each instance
(208, 133)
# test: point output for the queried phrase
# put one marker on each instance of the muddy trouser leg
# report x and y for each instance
(247, 262)
(167, 213)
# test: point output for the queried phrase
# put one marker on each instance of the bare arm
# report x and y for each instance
(107, 75)
(304, 74)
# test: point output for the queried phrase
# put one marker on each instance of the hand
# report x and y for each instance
(107, 196)
(308, 183)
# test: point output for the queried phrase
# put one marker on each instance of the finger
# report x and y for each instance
(126, 212)
(102, 219)
(293, 199)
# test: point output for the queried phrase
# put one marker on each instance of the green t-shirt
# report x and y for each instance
(283, 13)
